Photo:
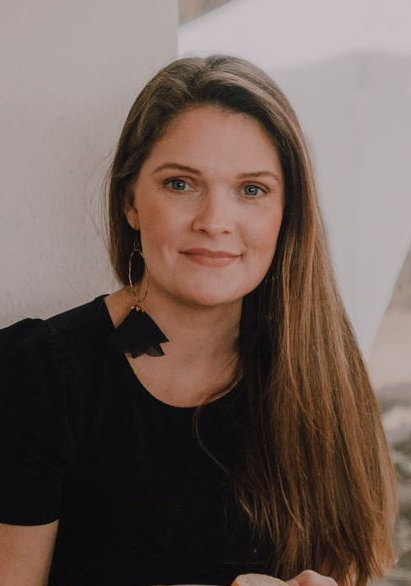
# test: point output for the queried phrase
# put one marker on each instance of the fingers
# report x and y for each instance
(311, 578)
(257, 580)
(305, 578)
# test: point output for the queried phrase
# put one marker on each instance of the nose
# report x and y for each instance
(215, 214)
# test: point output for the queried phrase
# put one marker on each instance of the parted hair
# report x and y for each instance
(315, 480)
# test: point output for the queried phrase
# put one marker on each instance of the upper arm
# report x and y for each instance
(37, 446)
(38, 423)
(26, 553)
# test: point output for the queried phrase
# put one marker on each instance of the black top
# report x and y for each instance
(83, 441)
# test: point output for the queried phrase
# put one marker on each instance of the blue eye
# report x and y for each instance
(253, 187)
(176, 181)
(180, 183)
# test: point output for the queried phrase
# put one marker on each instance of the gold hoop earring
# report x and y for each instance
(138, 333)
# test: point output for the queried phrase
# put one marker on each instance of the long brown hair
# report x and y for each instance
(316, 481)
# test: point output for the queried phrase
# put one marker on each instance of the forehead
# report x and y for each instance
(215, 138)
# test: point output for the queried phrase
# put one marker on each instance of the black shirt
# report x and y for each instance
(83, 441)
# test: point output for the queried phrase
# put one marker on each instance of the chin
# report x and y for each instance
(212, 299)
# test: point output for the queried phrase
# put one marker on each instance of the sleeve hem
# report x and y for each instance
(27, 521)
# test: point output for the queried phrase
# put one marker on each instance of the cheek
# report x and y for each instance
(163, 228)
(263, 237)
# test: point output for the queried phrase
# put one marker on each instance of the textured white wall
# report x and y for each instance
(69, 73)
(346, 68)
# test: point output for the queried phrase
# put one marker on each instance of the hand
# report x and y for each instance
(305, 578)
(311, 578)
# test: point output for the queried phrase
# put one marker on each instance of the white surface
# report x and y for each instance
(296, 32)
(393, 340)
(69, 72)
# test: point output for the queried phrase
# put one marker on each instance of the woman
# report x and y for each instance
(228, 309)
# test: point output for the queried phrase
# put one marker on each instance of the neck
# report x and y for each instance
(198, 335)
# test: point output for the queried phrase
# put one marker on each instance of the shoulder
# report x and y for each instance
(43, 409)
(31, 338)
(78, 322)
(82, 332)
(26, 337)
(45, 363)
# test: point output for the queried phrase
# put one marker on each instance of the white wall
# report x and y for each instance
(346, 68)
(69, 72)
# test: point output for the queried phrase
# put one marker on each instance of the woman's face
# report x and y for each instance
(213, 182)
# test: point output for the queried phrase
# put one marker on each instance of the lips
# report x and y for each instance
(215, 259)
(211, 253)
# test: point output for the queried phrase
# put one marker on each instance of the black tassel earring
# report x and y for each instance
(138, 333)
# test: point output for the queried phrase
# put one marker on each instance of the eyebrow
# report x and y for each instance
(197, 172)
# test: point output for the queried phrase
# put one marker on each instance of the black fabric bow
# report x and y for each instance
(137, 334)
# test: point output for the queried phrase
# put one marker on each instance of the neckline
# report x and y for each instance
(132, 376)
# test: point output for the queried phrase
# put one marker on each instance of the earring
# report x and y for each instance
(138, 302)
(138, 333)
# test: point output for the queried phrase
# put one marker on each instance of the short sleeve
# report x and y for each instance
(38, 419)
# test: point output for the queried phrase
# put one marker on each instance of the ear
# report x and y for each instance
(131, 213)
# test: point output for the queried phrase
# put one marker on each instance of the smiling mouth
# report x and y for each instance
(207, 252)
(211, 261)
